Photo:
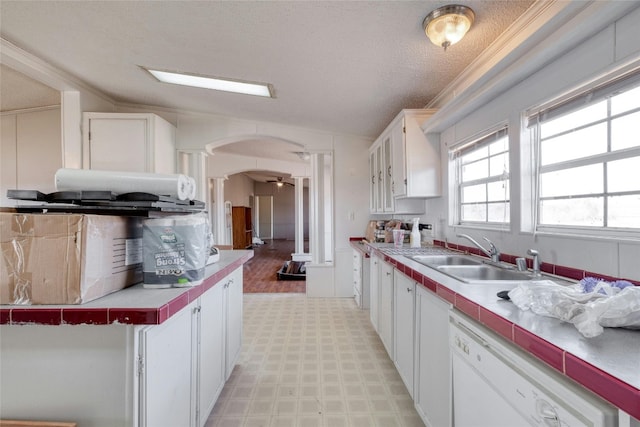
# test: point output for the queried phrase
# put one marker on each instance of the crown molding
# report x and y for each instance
(544, 32)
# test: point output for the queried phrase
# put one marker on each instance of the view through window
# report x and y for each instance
(482, 168)
(588, 164)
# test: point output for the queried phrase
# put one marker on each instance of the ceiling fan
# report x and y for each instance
(279, 182)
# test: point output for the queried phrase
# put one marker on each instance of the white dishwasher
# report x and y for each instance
(498, 385)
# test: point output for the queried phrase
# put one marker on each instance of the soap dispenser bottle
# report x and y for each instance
(414, 237)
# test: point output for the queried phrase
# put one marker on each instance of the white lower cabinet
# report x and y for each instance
(187, 359)
(361, 279)
(211, 374)
(432, 379)
(232, 285)
(413, 324)
(118, 375)
(374, 289)
(166, 371)
(403, 325)
(385, 307)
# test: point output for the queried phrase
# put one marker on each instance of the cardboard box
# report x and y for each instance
(59, 258)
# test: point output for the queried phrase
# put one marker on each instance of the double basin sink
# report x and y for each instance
(471, 270)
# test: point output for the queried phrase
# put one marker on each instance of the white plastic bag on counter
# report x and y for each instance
(603, 306)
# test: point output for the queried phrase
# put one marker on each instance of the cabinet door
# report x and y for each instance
(398, 157)
(166, 387)
(374, 274)
(233, 342)
(118, 144)
(128, 142)
(404, 298)
(385, 317)
(373, 188)
(432, 360)
(387, 175)
(211, 355)
(379, 180)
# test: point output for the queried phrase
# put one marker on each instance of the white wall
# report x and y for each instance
(284, 209)
(615, 45)
(237, 190)
(30, 151)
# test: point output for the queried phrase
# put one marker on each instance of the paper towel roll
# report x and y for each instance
(193, 188)
(172, 185)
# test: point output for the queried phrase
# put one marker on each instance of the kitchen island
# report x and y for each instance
(607, 365)
(137, 357)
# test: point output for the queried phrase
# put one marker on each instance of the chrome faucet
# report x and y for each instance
(492, 253)
(536, 262)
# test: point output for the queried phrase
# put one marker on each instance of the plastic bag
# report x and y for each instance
(588, 308)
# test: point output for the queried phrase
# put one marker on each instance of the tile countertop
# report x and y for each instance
(134, 305)
(608, 365)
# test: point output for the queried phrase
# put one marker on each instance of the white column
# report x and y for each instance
(316, 209)
(320, 271)
(299, 254)
(299, 215)
(218, 225)
(71, 130)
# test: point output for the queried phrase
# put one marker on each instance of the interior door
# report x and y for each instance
(264, 214)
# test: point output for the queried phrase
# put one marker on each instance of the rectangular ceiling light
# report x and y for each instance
(215, 83)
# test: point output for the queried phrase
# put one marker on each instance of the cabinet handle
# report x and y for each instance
(389, 171)
(197, 309)
(388, 274)
(408, 289)
(373, 179)
(380, 176)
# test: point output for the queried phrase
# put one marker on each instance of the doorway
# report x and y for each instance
(264, 217)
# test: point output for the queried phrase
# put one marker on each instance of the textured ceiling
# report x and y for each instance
(339, 66)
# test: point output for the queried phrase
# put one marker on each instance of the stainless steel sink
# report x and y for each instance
(438, 260)
(481, 273)
(469, 269)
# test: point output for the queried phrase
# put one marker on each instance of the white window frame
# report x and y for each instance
(573, 101)
(455, 178)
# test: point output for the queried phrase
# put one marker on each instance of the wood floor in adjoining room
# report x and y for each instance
(260, 272)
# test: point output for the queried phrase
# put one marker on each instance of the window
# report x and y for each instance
(588, 159)
(482, 180)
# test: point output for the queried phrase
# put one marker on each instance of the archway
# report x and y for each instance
(257, 160)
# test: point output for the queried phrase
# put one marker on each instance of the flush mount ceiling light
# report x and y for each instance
(448, 24)
(215, 83)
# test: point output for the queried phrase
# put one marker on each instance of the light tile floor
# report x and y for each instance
(311, 362)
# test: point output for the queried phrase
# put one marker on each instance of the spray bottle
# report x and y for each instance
(414, 237)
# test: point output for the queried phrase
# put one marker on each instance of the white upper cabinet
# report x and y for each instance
(131, 142)
(416, 157)
(404, 166)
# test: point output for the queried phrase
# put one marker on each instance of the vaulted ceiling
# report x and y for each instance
(340, 66)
